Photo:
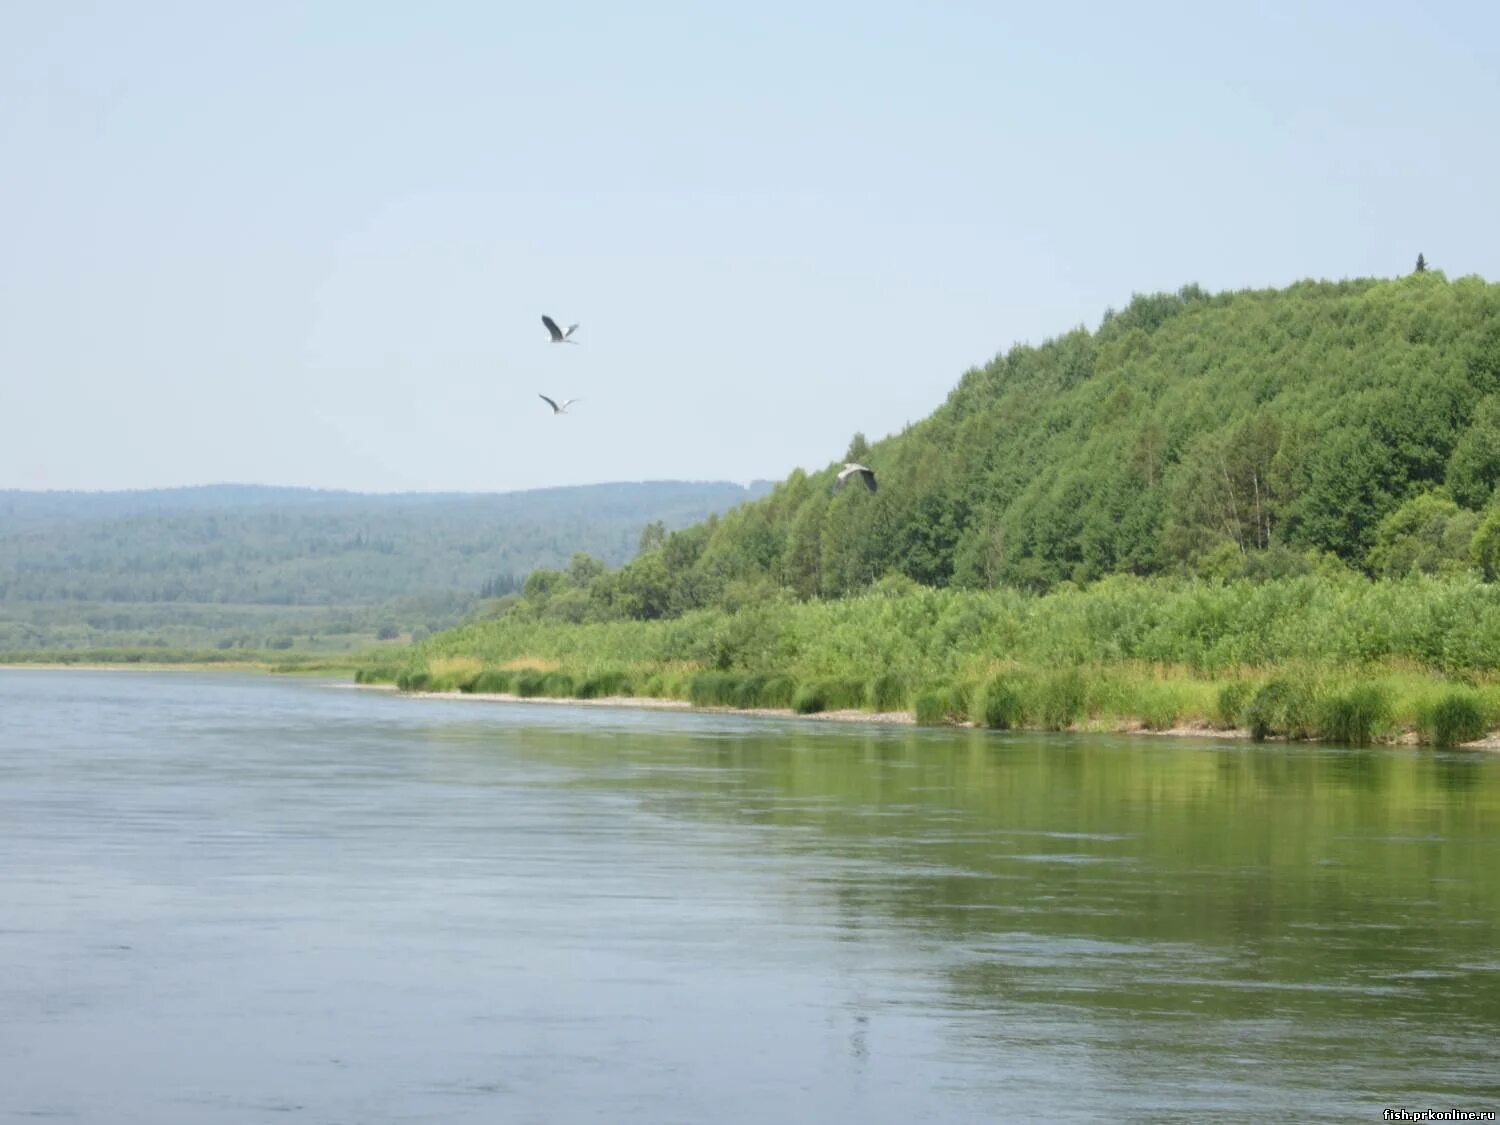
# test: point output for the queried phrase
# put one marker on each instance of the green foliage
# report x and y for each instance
(888, 692)
(605, 685)
(1233, 435)
(715, 689)
(557, 685)
(1002, 706)
(1232, 700)
(1484, 548)
(1474, 468)
(529, 683)
(1059, 698)
(810, 699)
(1429, 534)
(1281, 707)
(1455, 718)
(494, 681)
(935, 706)
(1354, 717)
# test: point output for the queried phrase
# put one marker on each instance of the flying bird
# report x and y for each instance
(558, 335)
(850, 469)
(567, 402)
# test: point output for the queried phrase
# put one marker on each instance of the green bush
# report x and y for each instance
(1060, 698)
(777, 691)
(1455, 718)
(810, 699)
(493, 681)
(604, 685)
(557, 685)
(1158, 707)
(887, 692)
(530, 683)
(380, 674)
(413, 681)
(1001, 704)
(1281, 707)
(941, 704)
(1354, 717)
(1233, 698)
(715, 689)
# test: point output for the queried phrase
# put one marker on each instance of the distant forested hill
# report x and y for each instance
(255, 566)
(1251, 433)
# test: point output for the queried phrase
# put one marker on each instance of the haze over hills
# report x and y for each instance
(232, 565)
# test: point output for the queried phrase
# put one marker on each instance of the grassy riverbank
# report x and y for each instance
(1333, 657)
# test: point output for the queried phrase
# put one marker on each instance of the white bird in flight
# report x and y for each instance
(558, 335)
(567, 402)
(850, 469)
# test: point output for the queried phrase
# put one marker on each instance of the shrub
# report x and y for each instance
(1233, 698)
(557, 685)
(1001, 707)
(778, 691)
(843, 694)
(381, 674)
(746, 692)
(492, 681)
(1354, 717)
(604, 685)
(1280, 707)
(887, 692)
(1060, 698)
(413, 681)
(714, 689)
(932, 706)
(529, 683)
(1158, 707)
(1456, 717)
(810, 699)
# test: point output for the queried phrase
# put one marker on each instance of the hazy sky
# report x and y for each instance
(309, 243)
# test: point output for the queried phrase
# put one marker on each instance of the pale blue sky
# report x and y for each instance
(309, 244)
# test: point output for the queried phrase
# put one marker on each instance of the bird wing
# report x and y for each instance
(869, 478)
(571, 329)
(552, 327)
(555, 408)
(570, 402)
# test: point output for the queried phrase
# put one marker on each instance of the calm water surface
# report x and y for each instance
(237, 899)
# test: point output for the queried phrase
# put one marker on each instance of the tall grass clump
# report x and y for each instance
(1354, 717)
(530, 683)
(1455, 718)
(810, 699)
(776, 691)
(939, 704)
(378, 674)
(888, 692)
(604, 685)
(557, 685)
(1281, 707)
(413, 680)
(1229, 708)
(493, 681)
(1000, 704)
(714, 689)
(1059, 698)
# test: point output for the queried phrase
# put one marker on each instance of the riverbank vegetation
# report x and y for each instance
(1268, 510)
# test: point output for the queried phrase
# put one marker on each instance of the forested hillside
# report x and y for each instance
(1237, 434)
(1273, 510)
(246, 566)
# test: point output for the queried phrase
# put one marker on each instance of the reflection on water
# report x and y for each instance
(236, 899)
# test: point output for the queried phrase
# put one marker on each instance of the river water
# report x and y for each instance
(255, 899)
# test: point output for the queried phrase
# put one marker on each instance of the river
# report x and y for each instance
(231, 898)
